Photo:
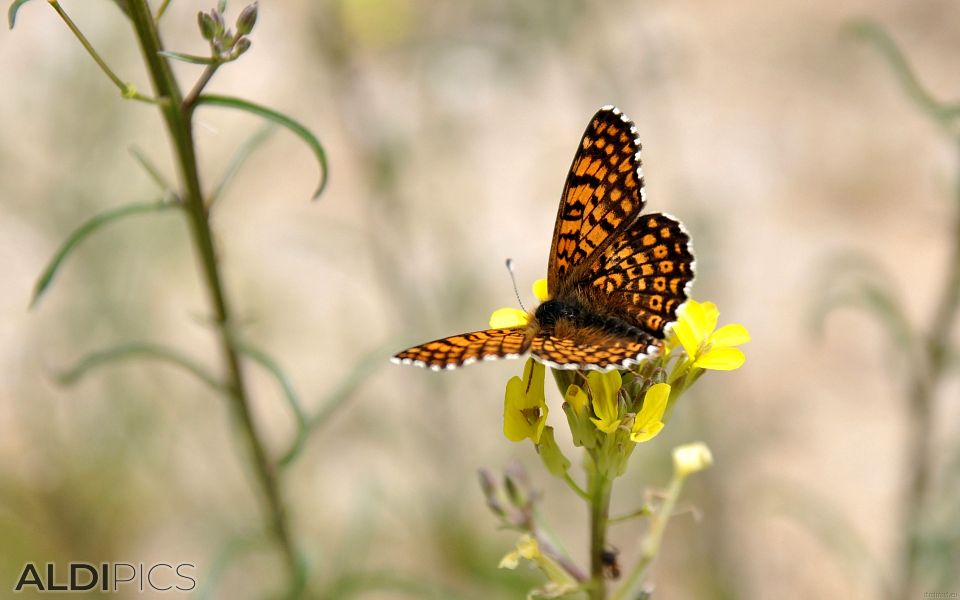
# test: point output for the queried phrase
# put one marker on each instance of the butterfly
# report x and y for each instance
(615, 277)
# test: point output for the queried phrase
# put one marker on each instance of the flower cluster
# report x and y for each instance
(609, 414)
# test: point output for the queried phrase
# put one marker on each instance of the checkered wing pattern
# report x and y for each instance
(463, 349)
(647, 271)
(590, 349)
(603, 194)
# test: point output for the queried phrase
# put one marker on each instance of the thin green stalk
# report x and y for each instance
(128, 90)
(923, 389)
(161, 10)
(191, 99)
(651, 544)
(179, 127)
(600, 486)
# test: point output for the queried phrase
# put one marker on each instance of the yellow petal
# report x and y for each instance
(710, 316)
(528, 547)
(540, 290)
(505, 318)
(576, 398)
(654, 404)
(515, 425)
(646, 433)
(687, 336)
(510, 561)
(730, 335)
(721, 359)
(607, 425)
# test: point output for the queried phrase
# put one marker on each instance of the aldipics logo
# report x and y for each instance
(107, 577)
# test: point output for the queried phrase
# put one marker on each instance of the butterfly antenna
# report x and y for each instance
(514, 280)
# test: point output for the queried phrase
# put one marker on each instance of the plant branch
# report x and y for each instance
(127, 90)
(180, 129)
(923, 388)
(651, 543)
(191, 99)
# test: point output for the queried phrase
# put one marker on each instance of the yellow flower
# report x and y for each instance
(709, 349)
(528, 548)
(524, 404)
(540, 290)
(506, 318)
(649, 421)
(605, 389)
(690, 458)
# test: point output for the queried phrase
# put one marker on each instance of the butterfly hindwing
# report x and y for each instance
(590, 349)
(647, 270)
(457, 350)
(603, 194)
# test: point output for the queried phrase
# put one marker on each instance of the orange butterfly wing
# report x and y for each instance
(646, 272)
(463, 349)
(603, 194)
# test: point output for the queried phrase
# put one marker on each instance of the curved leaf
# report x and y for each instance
(877, 36)
(243, 153)
(351, 382)
(83, 231)
(280, 119)
(12, 12)
(134, 350)
(268, 363)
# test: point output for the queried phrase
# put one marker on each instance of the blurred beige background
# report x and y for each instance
(449, 128)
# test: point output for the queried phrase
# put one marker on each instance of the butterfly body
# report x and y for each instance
(616, 277)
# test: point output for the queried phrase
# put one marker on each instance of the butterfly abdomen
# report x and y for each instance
(570, 312)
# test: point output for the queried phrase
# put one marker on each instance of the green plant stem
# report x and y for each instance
(599, 490)
(191, 99)
(651, 543)
(180, 130)
(126, 89)
(923, 389)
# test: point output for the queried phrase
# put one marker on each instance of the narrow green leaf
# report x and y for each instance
(241, 156)
(155, 174)
(83, 231)
(350, 383)
(138, 350)
(280, 119)
(12, 12)
(193, 59)
(300, 417)
(877, 36)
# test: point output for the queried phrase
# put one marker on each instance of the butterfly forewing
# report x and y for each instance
(457, 350)
(603, 194)
(647, 271)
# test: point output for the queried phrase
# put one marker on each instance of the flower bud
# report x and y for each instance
(691, 458)
(247, 19)
(243, 44)
(207, 25)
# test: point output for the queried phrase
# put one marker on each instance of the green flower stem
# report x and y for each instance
(651, 544)
(575, 487)
(923, 388)
(126, 89)
(161, 10)
(180, 129)
(599, 492)
(190, 101)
